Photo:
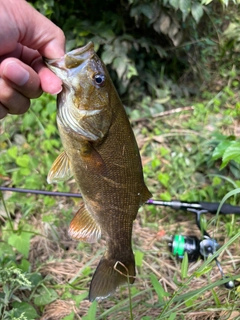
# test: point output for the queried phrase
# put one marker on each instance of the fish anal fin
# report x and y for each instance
(110, 274)
(60, 170)
(83, 227)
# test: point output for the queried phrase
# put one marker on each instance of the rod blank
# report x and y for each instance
(211, 207)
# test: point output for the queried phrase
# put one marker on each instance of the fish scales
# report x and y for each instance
(101, 152)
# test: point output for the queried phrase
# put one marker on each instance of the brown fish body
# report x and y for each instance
(102, 154)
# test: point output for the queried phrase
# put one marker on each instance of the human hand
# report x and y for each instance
(26, 36)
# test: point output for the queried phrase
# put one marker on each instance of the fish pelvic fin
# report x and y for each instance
(60, 170)
(83, 227)
(110, 274)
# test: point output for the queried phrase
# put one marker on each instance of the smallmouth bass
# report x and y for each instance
(101, 152)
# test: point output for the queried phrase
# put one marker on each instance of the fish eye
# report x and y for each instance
(99, 79)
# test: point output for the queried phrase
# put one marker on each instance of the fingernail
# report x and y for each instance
(53, 91)
(57, 91)
(16, 73)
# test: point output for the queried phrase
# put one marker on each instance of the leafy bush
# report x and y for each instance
(150, 46)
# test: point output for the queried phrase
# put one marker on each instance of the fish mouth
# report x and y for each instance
(71, 59)
(87, 49)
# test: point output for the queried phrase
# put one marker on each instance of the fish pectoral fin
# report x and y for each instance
(83, 227)
(60, 170)
(94, 162)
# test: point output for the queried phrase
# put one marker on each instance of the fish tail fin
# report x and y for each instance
(111, 273)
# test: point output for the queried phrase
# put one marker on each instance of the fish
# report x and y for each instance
(101, 153)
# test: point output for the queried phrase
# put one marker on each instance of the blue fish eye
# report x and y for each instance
(100, 79)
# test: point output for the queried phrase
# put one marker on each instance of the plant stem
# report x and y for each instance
(5, 207)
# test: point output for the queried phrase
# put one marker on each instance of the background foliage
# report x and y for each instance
(152, 47)
(175, 64)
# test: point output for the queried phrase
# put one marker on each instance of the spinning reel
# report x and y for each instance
(196, 248)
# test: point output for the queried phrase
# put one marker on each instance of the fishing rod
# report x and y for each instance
(211, 207)
(180, 244)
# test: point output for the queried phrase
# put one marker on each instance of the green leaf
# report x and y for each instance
(29, 120)
(174, 4)
(80, 297)
(197, 11)
(172, 316)
(25, 172)
(131, 71)
(147, 10)
(45, 297)
(216, 181)
(164, 179)
(26, 309)
(13, 152)
(206, 2)
(49, 218)
(215, 296)
(24, 265)
(21, 242)
(232, 152)
(190, 302)
(91, 312)
(6, 250)
(139, 258)
(23, 161)
(204, 271)
(163, 151)
(35, 279)
(220, 149)
(165, 196)
(158, 288)
(185, 6)
(184, 266)
(70, 316)
(120, 65)
(107, 56)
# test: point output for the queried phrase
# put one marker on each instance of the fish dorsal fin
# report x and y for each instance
(145, 195)
(60, 170)
(83, 227)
